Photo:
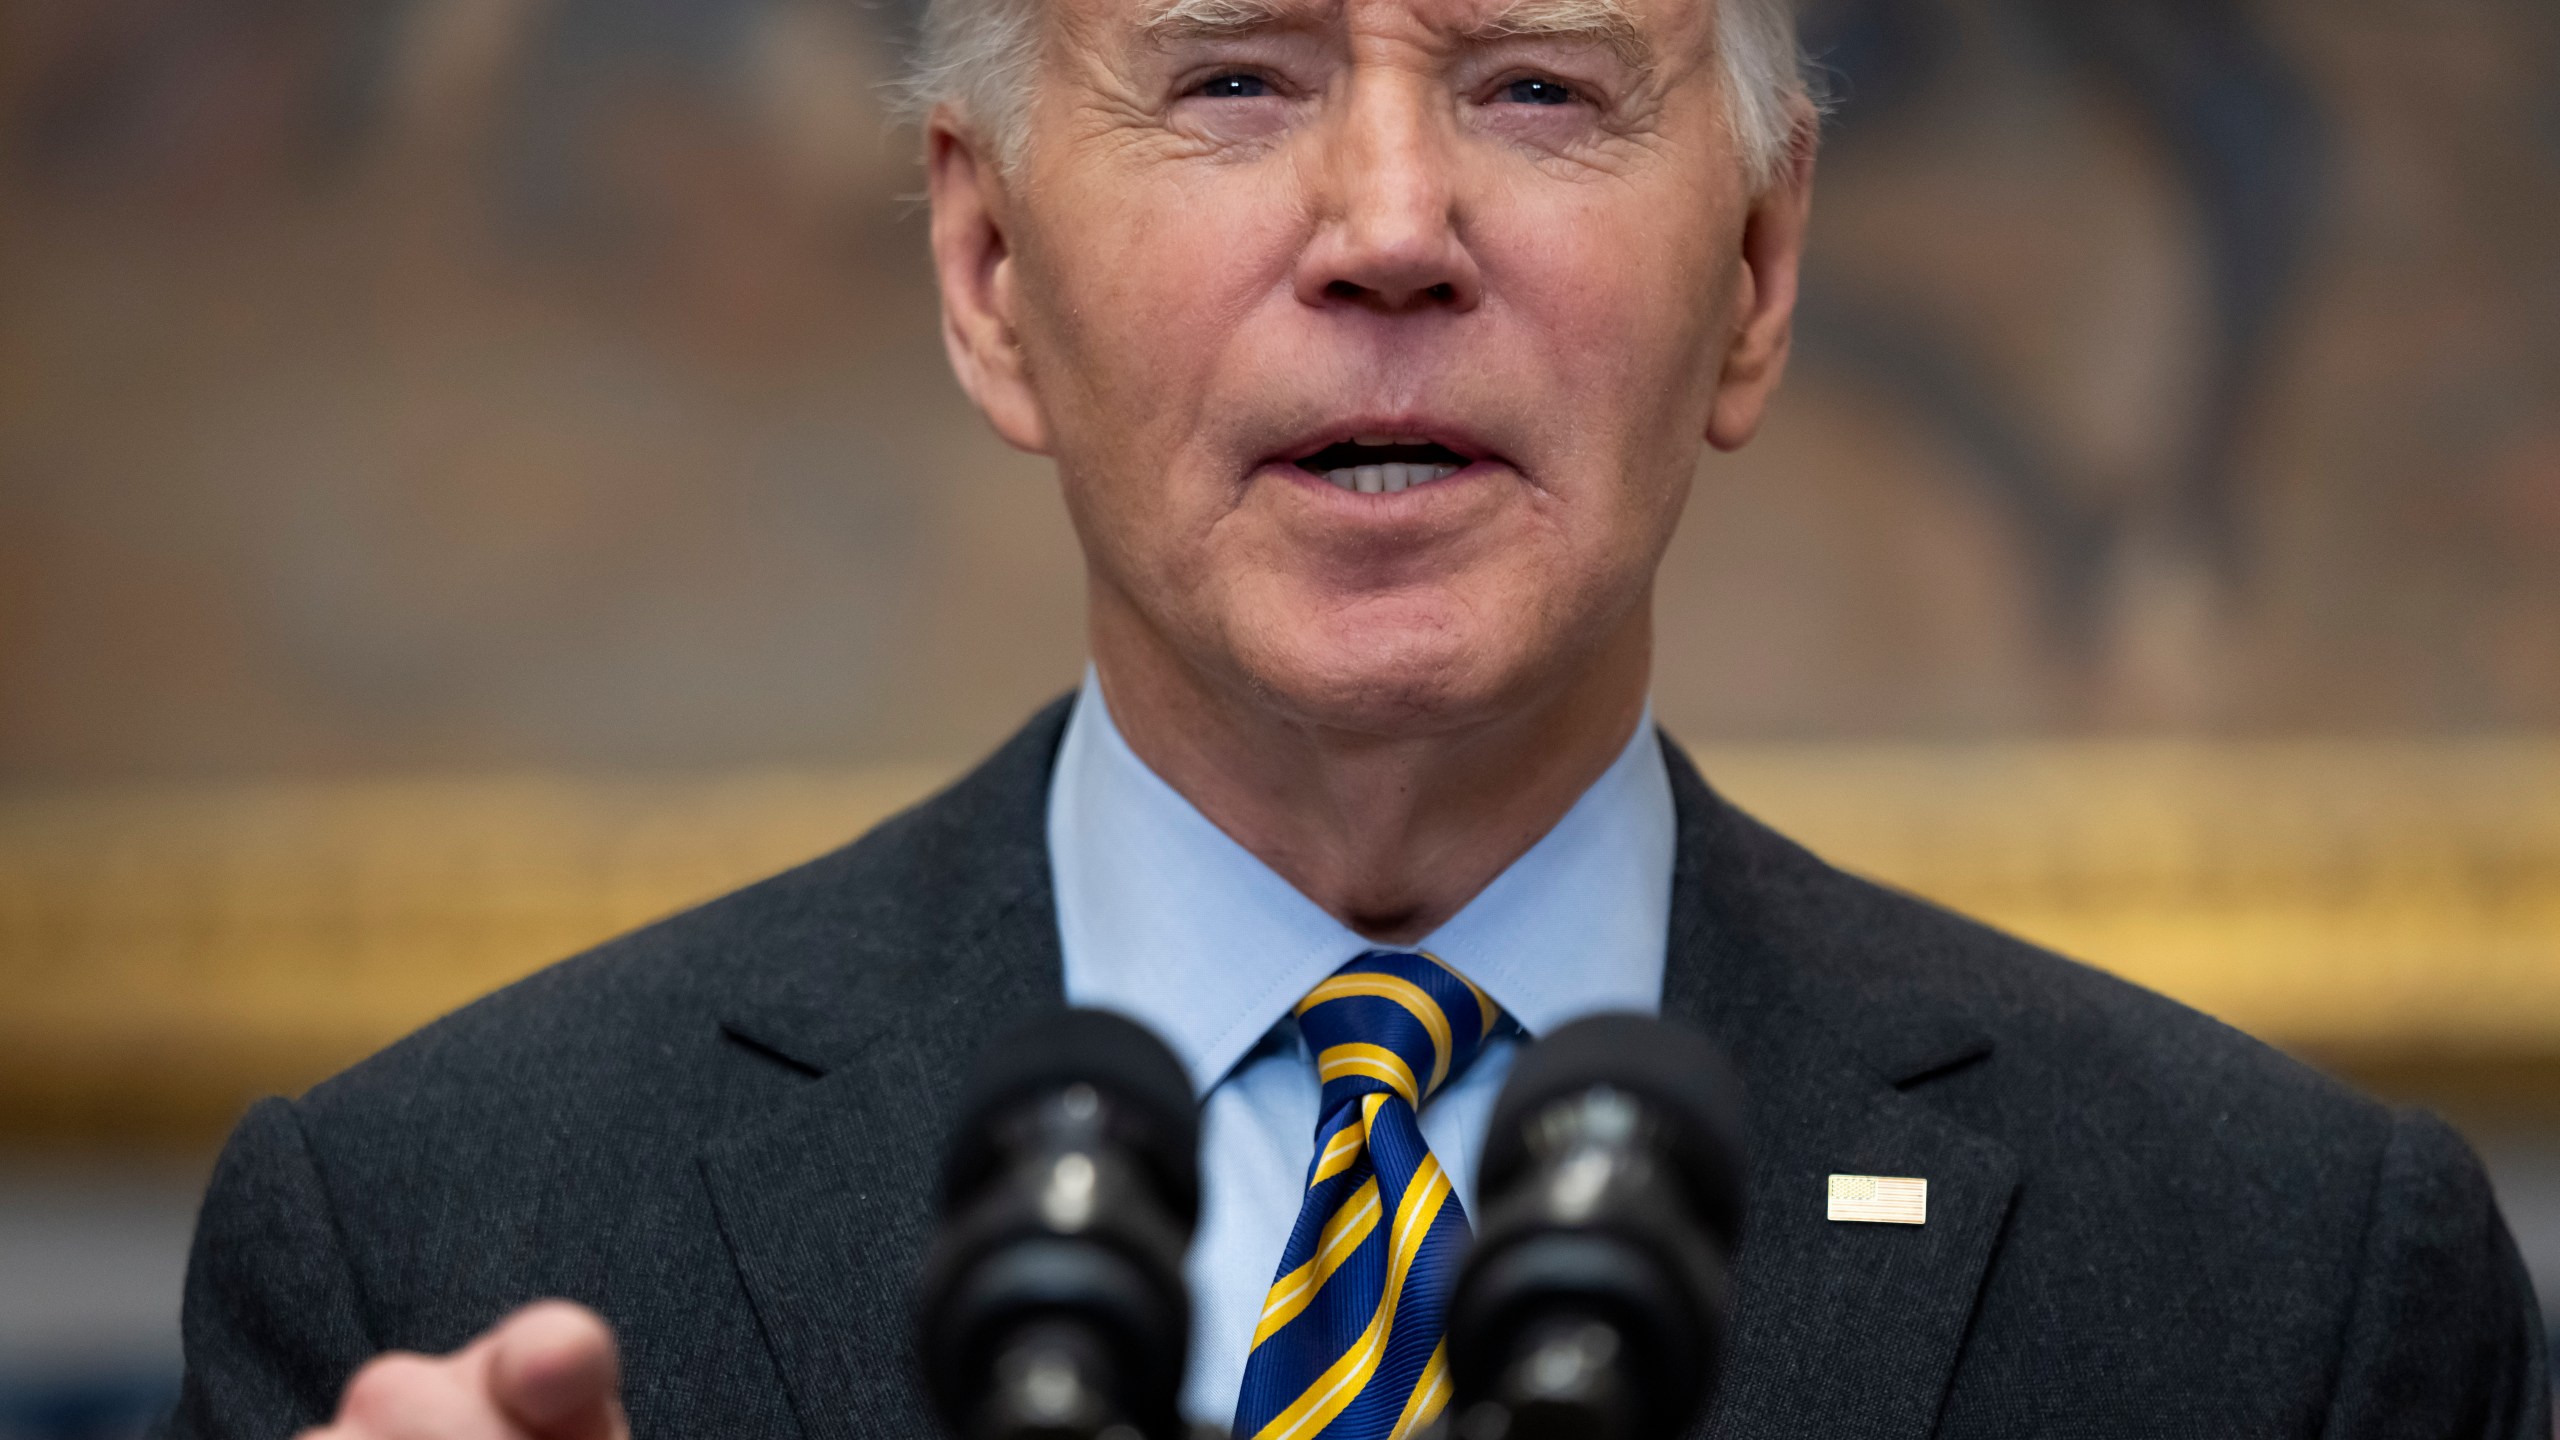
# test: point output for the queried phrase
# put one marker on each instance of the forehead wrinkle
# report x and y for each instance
(1596, 22)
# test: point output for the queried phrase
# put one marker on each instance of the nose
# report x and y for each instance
(1388, 237)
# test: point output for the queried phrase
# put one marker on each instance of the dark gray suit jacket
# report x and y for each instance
(722, 1133)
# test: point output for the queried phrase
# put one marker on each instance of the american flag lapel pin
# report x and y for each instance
(1879, 1199)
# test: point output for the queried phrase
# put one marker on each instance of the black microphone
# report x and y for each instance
(1052, 1305)
(1593, 1304)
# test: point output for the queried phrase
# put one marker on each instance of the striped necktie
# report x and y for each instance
(1349, 1344)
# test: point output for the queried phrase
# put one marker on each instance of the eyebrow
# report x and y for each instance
(1596, 22)
(1592, 22)
(1214, 19)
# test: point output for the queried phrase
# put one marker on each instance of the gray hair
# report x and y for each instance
(977, 56)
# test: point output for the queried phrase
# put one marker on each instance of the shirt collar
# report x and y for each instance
(1163, 917)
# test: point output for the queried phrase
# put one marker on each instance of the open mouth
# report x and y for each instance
(1383, 464)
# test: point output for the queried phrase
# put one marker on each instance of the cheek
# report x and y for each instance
(1153, 274)
(1624, 300)
(1621, 286)
(1145, 286)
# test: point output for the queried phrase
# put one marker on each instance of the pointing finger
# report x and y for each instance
(553, 1371)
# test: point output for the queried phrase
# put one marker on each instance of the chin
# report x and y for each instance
(1392, 681)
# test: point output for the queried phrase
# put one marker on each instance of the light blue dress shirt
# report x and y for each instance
(1165, 919)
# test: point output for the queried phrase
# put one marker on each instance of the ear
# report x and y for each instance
(1772, 259)
(973, 262)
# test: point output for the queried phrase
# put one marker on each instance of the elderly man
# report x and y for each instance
(1376, 343)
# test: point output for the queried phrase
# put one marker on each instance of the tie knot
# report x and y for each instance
(1394, 1023)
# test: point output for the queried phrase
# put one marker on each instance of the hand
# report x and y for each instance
(547, 1372)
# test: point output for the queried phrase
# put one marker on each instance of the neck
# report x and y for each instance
(1392, 834)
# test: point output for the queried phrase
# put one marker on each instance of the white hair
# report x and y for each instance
(977, 56)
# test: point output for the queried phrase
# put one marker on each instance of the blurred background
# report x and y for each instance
(476, 474)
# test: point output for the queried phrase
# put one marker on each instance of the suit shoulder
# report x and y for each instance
(615, 1024)
(1912, 976)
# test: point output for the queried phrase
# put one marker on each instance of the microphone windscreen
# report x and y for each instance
(1691, 1092)
(1157, 1116)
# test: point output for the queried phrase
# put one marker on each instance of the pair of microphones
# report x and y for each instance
(1592, 1304)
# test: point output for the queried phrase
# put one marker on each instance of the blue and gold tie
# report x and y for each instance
(1349, 1344)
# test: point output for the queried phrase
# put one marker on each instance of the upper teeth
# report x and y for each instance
(1386, 479)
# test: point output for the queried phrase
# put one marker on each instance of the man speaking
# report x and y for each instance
(1375, 342)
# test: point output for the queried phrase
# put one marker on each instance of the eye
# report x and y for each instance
(1537, 92)
(1235, 87)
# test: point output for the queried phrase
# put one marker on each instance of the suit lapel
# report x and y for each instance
(827, 1201)
(1842, 1329)
(1853, 1329)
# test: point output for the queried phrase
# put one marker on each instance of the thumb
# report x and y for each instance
(553, 1371)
